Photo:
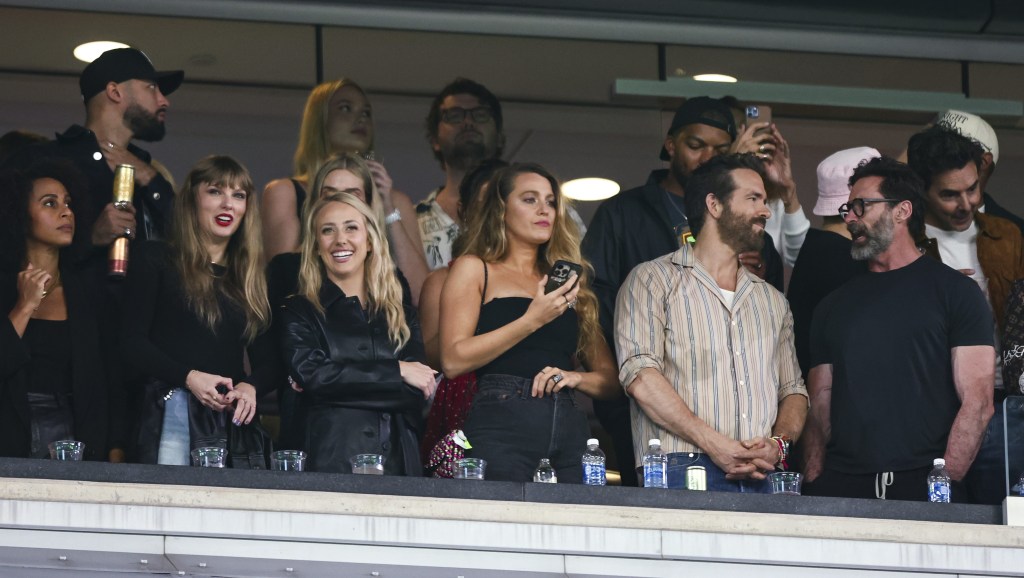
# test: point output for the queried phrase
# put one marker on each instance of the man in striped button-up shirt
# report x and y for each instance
(706, 348)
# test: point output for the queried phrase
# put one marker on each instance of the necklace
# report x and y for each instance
(672, 202)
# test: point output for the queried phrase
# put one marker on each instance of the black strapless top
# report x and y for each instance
(552, 345)
(50, 367)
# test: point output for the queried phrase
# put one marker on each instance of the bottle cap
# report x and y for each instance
(654, 442)
(592, 442)
(939, 462)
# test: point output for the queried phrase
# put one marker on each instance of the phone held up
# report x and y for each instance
(560, 273)
(756, 113)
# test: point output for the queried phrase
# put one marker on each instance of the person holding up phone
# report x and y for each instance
(524, 342)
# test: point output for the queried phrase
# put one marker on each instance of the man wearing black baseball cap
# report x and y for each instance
(125, 99)
(647, 222)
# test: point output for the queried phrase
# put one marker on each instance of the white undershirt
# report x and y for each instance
(959, 250)
(728, 296)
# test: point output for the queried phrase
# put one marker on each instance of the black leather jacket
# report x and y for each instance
(354, 400)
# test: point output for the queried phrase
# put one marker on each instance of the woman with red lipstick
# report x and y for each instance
(338, 120)
(523, 343)
(55, 369)
(198, 302)
(353, 345)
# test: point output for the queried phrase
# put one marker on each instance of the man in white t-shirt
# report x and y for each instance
(985, 247)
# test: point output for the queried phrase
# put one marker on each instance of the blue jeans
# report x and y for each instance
(678, 462)
(987, 479)
(513, 431)
(174, 436)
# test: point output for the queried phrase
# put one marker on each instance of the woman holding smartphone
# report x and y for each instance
(352, 344)
(193, 306)
(338, 120)
(524, 343)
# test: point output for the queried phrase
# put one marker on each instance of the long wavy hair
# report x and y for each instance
(486, 238)
(383, 290)
(314, 141)
(245, 282)
(358, 167)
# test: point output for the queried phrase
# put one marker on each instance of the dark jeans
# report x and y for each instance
(513, 431)
(52, 420)
(716, 482)
(911, 485)
(986, 480)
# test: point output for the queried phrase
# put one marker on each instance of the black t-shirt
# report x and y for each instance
(888, 337)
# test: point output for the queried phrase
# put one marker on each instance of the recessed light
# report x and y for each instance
(91, 50)
(590, 189)
(714, 78)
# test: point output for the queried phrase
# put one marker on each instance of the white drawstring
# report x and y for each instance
(882, 481)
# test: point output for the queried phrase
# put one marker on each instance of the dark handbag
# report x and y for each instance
(1013, 340)
(249, 446)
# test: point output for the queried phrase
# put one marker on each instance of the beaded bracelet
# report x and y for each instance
(782, 442)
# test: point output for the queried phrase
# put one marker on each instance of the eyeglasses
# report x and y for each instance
(456, 115)
(857, 206)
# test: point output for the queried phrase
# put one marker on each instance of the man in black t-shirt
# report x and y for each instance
(901, 357)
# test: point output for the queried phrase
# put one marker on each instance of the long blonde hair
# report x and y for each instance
(383, 290)
(486, 237)
(314, 140)
(245, 282)
(358, 167)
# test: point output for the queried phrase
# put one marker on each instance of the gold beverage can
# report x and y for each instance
(117, 258)
(696, 478)
(124, 186)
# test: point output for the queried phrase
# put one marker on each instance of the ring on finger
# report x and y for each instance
(572, 304)
(127, 231)
(759, 266)
(557, 378)
(760, 148)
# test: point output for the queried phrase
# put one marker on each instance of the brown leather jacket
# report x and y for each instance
(1001, 253)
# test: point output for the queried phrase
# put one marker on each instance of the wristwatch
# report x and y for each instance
(392, 217)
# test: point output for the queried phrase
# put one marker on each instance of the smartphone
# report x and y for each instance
(759, 113)
(560, 273)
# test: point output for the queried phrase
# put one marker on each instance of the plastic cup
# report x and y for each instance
(370, 464)
(288, 461)
(470, 469)
(66, 450)
(208, 457)
(786, 483)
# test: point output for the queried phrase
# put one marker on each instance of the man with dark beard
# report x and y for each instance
(125, 99)
(647, 222)
(706, 347)
(901, 357)
(464, 127)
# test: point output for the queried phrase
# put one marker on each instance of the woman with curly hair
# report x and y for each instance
(56, 373)
(523, 343)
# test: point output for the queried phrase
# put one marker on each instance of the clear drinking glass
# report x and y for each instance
(211, 457)
(470, 469)
(288, 461)
(372, 464)
(787, 483)
(66, 450)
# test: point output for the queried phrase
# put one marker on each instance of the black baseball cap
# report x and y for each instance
(121, 64)
(702, 110)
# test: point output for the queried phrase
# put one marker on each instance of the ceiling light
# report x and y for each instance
(590, 189)
(714, 78)
(91, 50)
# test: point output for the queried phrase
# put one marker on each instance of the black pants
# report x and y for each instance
(52, 420)
(911, 485)
(513, 431)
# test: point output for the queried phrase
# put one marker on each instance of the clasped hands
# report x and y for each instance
(750, 459)
(207, 389)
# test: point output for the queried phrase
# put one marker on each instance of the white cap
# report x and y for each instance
(593, 442)
(939, 462)
(972, 126)
(654, 442)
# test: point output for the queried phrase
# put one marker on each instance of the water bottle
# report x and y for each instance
(655, 466)
(593, 464)
(544, 473)
(938, 483)
(1020, 485)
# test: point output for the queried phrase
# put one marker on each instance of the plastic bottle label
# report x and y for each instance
(938, 492)
(654, 475)
(594, 474)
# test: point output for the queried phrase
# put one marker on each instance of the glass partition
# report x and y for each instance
(1013, 416)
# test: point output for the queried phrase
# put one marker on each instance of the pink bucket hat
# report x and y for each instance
(834, 177)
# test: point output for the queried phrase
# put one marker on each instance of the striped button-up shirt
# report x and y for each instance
(731, 366)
